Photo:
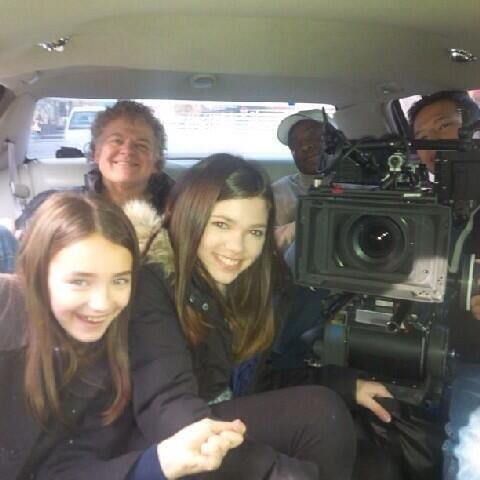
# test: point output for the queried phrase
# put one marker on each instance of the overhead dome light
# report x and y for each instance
(459, 55)
(55, 46)
(203, 80)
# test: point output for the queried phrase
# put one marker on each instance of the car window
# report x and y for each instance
(194, 129)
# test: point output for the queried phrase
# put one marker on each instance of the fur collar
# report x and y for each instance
(148, 226)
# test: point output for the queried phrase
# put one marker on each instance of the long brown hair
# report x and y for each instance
(65, 218)
(247, 303)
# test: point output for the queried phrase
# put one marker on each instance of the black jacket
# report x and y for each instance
(166, 394)
(18, 431)
(173, 383)
(27, 450)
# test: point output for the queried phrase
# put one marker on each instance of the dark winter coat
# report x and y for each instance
(28, 451)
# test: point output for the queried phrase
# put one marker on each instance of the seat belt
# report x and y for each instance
(19, 192)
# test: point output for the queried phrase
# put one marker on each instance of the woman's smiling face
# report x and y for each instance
(233, 238)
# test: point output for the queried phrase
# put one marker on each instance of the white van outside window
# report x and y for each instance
(77, 128)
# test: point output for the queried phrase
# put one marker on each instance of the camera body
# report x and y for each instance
(387, 243)
(382, 246)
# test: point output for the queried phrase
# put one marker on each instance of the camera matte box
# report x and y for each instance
(327, 254)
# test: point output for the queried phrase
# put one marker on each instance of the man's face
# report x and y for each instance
(125, 153)
(306, 142)
(437, 121)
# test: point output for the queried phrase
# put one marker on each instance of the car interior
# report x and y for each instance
(356, 57)
(220, 75)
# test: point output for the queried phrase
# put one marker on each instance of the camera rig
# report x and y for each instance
(378, 237)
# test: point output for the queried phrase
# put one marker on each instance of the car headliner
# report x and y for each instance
(343, 52)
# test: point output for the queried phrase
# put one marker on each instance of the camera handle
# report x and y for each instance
(400, 313)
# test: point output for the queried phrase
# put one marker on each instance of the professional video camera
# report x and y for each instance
(383, 243)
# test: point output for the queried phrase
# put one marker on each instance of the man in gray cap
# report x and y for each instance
(304, 134)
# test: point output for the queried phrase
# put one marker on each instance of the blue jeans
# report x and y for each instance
(465, 399)
(8, 250)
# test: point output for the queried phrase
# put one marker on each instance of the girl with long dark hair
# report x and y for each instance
(204, 303)
(64, 366)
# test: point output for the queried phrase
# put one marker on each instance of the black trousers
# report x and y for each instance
(294, 433)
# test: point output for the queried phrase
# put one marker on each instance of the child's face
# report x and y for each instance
(233, 238)
(89, 283)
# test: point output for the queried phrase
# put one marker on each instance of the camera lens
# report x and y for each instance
(376, 238)
(373, 241)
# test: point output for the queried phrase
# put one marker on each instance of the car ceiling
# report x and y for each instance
(343, 52)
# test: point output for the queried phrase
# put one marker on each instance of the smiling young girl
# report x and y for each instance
(204, 303)
(64, 367)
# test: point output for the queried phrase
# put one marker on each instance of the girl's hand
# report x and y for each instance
(284, 235)
(199, 447)
(365, 396)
